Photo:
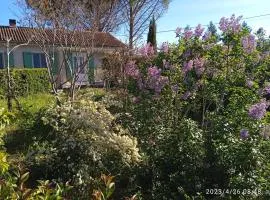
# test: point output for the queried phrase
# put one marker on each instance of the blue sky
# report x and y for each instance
(192, 12)
(187, 12)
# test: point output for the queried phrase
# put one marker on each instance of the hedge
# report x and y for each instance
(27, 81)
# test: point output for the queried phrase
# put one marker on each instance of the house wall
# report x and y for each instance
(19, 63)
(18, 53)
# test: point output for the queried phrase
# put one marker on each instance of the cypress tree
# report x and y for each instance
(212, 28)
(151, 38)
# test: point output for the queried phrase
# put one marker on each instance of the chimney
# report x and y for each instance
(12, 23)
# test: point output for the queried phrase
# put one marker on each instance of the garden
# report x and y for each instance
(190, 121)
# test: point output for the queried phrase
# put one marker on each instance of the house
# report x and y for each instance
(31, 53)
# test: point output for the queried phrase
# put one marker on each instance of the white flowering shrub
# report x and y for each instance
(81, 141)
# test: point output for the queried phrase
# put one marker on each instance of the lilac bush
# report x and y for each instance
(132, 70)
(187, 66)
(258, 110)
(147, 50)
(220, 83)
(188, 34)
(231, 24)
(199, 30)
(199, 66)
(165, 47)
(244, 134)
(249, 43)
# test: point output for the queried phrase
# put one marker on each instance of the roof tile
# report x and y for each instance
(76, 38)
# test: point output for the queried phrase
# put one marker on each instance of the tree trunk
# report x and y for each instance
(131, 29)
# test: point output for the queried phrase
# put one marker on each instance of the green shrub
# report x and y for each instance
(26, 81)
(77, 143)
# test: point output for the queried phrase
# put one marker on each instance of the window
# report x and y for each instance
(39, 60)
(1, 61)
(79, 65)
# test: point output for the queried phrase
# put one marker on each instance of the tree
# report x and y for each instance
(262, 43)
(260, 33)
(103, 15)
(137, 14)
(152, 34)
(246, 26)
(212, 28)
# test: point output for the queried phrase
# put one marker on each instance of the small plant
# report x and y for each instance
(106, 188)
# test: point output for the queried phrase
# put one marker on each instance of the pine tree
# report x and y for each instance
(152, 34)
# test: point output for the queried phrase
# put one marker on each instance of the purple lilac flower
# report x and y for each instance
(147, 50)
(231, 24)
(187, 53)
(249, 83)
(187, 66)
(161, 83)
(165, 47)
(257, 111)
(186, 95)
(235, 24)
(244, 134)
(132, 70)
(223, 24)
(155, 80)
(178, 32)
(267, 90)
(249, 43)
(199, 30)
(154, 71)
(157, 83)
(188, 34)
(199, 66)
(207, 35)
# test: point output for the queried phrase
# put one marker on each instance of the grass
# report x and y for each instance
(32, 103)
(20, 133)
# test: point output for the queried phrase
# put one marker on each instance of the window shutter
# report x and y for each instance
(91, 70)
(1, 61)
(27, 60)
(11, 59)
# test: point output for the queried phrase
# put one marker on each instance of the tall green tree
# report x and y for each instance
(152, 34)
(212, 28)
(246, 26)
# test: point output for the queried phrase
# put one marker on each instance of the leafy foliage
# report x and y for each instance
(27, 81)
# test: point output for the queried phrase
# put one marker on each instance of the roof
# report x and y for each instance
(20, 35)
